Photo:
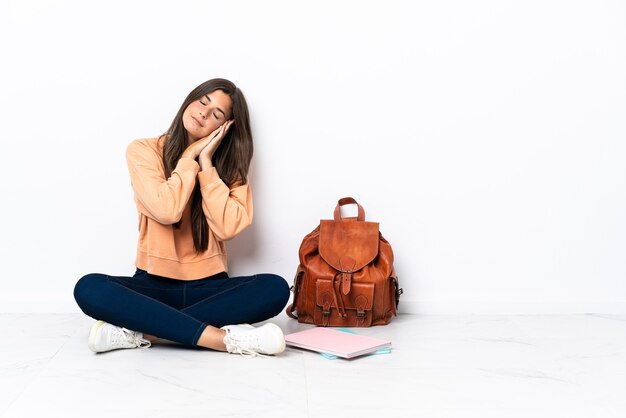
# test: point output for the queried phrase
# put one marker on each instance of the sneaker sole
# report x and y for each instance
(92, 335)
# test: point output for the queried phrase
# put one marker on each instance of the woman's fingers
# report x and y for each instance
(221, 131)
(214, 139)
(217, 135)
(210, 137)
(211, 142)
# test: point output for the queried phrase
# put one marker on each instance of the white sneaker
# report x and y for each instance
(105, 337)
(249, 341)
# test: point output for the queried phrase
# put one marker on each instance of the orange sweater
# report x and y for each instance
(169, 252)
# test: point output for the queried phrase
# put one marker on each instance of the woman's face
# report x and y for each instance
(207, 114)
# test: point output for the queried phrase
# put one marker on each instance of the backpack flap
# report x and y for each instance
(348, 246)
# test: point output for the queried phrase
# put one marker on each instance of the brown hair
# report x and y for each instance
(231, 159)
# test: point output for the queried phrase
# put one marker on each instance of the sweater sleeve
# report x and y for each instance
(160, 199)
(228, 211)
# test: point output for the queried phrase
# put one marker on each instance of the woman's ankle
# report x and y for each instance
(212, 338)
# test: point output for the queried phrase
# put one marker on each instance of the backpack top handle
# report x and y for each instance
(348, 201)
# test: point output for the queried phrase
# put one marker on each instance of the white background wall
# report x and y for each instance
(487, 138)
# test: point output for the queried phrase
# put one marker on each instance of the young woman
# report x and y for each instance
(192, 194)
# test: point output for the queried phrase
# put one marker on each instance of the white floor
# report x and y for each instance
(441, 366)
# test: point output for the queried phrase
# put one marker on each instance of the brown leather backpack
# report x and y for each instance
(346, 276)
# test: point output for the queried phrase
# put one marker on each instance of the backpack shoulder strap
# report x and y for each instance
(295, 288)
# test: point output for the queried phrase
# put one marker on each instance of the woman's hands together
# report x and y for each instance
(205, 147)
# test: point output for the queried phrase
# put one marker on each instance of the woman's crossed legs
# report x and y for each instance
(187, 312)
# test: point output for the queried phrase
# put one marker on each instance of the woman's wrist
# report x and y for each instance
(205, 163)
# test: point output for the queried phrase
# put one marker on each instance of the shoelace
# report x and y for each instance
(244, 339)
(126, 335)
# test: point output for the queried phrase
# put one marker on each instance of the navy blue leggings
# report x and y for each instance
(179, 310)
